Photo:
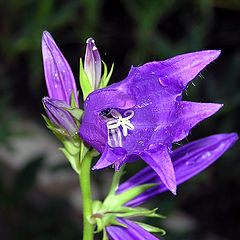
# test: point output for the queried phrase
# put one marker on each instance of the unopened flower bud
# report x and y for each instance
(92, 64)
(59, 116)
(58, 74)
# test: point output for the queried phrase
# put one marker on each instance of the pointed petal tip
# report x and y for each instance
(213, 54)
(233, 137)
(46, 35)
(174, 190)
(90, 39)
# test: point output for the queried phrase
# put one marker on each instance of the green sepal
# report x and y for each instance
(105, 236)
(115, 181)
(105, 220)
(48, 121)
(58, 132)
(72, 159)
(83, 150)
(73, 101)
(84, 81)
(75, 112)
(97, 205)
(106, 76)
(150, 228)
(115, 201)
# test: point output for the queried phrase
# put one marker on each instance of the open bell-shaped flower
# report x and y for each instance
(143, 115)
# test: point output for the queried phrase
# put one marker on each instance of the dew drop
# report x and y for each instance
(163, 82)
(55, 75)
(189, 163)
(55, 85)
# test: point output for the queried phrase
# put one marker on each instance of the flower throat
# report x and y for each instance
(117, 125)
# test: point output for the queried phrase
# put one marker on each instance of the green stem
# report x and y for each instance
(85, 185)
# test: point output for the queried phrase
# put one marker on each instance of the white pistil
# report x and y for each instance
(117, 121)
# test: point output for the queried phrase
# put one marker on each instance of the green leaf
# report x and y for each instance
(84, 81)
(106, 76)
(115, 201)
(150, 228)
(72, 159)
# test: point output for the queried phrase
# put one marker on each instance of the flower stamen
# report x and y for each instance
(115, 122)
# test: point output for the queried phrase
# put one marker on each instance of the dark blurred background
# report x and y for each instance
(39, 196)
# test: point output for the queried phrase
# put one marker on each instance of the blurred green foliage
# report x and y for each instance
(126, 32)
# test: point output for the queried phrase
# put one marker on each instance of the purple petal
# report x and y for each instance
(58, 74)
(110, 156)
(159, 160)
(133, 232)
(188, 161)
(183, 68)
(190, 114)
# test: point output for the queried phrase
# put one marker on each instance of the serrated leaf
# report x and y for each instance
(84, 81)
(150, 228)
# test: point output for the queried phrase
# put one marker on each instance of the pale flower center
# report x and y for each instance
(114, 121)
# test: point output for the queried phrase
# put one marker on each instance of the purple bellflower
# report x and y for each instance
(143, 115)
(188, 161)
(92, 64)
(58, 74)
(59, 116)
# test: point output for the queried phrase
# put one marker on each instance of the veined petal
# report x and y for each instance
(188, 161)
(180, 70)
(132, 232)
(111, 155)
(159, 160)
(189, 114)
(58, 74)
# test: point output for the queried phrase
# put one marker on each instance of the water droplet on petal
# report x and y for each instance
(55, 85)
(163, 81)
(55, 75)
(189, 163)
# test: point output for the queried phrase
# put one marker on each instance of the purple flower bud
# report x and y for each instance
(92, 64)
(188, 161)
(60, 117)
(58, 74)
(132, 232)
